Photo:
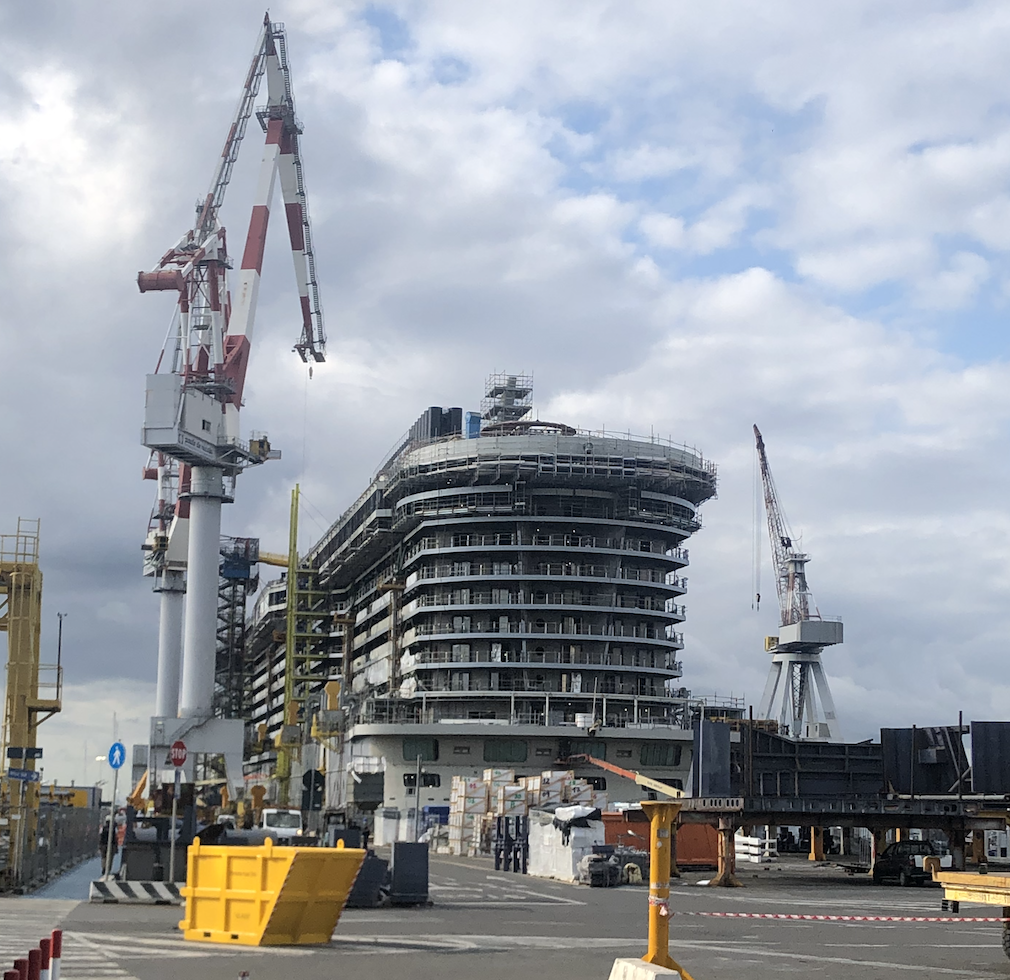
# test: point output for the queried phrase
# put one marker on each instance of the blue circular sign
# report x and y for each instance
(117, 755)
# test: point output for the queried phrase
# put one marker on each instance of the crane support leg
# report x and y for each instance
(771, 689)
(172, 590)
(200, 634)
(726, 874)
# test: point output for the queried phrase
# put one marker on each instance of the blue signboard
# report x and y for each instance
(23, 774)
(117, 755)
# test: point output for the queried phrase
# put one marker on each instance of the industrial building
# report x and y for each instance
(505, 591)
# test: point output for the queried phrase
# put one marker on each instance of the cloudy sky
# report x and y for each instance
(680, 217)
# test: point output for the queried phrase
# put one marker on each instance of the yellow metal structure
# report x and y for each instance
(661, 820)
(267, 896)
(306, 647)
(967, 886)
(271, 558)
(136, 798)
(27, 680)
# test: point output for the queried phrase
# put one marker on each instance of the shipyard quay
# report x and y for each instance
(515, 587)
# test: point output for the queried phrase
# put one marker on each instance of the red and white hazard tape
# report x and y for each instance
(849, 918)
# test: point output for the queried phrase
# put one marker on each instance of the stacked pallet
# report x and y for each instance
(475, 803)
(468, 802)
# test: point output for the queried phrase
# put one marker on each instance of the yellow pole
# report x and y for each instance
(284, 751)
(661, 817)
(816, 844)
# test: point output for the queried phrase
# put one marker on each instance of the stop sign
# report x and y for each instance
(177, 753)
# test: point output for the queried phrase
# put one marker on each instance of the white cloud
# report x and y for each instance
(662, 230)
(955, 286)
(484, 224)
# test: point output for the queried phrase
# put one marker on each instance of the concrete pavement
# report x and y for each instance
(509, 926)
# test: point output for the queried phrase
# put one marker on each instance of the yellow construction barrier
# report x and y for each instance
(267, 896)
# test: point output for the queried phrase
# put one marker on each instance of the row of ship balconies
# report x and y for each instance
(497, 540)
(540, 570)
(561, 630)
(627, 659)
(482, 682)
(449, 598)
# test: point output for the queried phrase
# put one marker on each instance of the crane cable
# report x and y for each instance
(757, 534)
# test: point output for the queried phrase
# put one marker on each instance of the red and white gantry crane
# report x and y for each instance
(192, 413)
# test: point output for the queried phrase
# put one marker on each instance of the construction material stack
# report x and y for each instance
(474, 804)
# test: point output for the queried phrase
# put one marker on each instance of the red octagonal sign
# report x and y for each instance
(177, 753)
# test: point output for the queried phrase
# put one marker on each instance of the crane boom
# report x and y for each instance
(789, 563)
(646, 782)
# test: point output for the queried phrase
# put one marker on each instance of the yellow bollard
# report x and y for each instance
(661, 817)
(816, 844)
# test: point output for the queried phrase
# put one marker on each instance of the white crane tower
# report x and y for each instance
(191, 422)
(796, 694)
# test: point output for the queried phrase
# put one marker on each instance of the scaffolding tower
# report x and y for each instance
(308, 650)
(507, 398)
(238, 579)
(34, 693)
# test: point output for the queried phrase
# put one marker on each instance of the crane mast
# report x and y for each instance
(194, 397)
(796, 694)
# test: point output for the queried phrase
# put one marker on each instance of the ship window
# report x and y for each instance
(595, 747)
(427, 779)
(660, 754)
(624, 753)
(543, 751)
(416, 745)
(461, 750)
(505, 750)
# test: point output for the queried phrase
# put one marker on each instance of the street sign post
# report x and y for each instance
(117, 756)
(25, 775)
(177, 754)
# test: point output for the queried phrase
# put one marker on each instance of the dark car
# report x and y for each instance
(902, 862)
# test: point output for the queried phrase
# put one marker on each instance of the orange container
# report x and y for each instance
(697, 843)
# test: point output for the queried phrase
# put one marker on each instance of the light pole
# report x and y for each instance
(59, 645)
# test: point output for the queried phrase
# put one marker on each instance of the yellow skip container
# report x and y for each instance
(267, 896)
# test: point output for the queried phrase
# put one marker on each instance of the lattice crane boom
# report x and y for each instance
(789, 563)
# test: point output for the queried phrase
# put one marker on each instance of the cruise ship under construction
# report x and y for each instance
(505, 592)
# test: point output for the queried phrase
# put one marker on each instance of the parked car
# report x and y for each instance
(902, 862)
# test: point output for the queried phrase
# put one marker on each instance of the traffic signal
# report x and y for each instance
(312, 790)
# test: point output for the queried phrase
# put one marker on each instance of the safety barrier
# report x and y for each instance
(109, 891)
(756, 850)
(267, 896)
(42, 962)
